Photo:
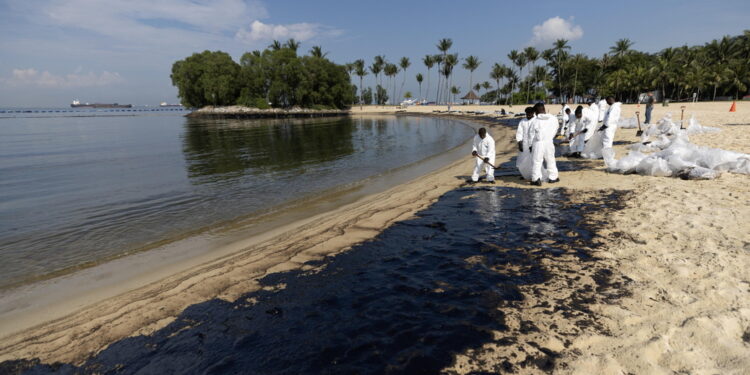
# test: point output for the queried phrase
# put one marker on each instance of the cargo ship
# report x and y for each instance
(77, 104)
(165, 104)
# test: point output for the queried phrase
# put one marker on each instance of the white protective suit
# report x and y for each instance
(542, 132)
(610, 120)
(588, 122)
(595, 110)
(486, 149)
(523, 160)
(565, 120)
(603, 106)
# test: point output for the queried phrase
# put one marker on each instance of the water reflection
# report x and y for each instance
(218, 149)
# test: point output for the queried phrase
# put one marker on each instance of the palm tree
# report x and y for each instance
(419, 81)
(403, 63)
(532, 55)
(486, 85)
(428, 61)
(450, 62)
(541, 75)
(455, 91)
(662, 70)
(292, 45)
(514, 58)
(275, 45)
(317, 51)
(361, 72)
(379, 60)
(578, 60)
(443, 46)
(560, 47)
(621, 48)
(497, 73)
(390, 71)
(439, 61)
(471, 63)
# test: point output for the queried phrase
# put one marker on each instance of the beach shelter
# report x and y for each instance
(471, 98)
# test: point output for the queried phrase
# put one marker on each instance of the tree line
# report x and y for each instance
(276, 76)
(720, 68)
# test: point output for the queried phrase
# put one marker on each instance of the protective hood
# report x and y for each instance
(544, 116)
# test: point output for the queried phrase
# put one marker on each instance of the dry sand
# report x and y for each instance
(676, 298)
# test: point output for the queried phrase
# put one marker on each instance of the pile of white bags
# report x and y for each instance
(665, 150)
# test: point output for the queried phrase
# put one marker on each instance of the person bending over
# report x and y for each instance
(484, 147)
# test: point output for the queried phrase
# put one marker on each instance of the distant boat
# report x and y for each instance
(165, 104)
(77, 104)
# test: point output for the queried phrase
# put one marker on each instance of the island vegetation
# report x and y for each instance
(275, 77)
(279, 77)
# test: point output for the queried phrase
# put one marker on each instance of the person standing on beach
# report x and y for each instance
(565, 113)
(595, 111)
(523, 160)
(542, 130)
(649, 106)
(484, 148)
(610, 122)
(602, 109)
(584, 123)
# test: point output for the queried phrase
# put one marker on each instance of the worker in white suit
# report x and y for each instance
(523, 160)
(584, 123)
(603, 106)
(595, 110)
(542, 130)
(565, 113)
(484, 147)
(610, 122)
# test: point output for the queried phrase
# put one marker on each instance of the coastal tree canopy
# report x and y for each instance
(276, 75)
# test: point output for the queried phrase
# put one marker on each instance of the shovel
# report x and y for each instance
(638, 117)
(482, 159)
(682, 115)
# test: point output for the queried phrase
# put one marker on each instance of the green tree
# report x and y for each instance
(361, 72)
(419, 81)
(207, 78)
(404, 63)
(444, 45)
(532, 55)
(390, 70)
(428, 62)
(471, 63)
(317, 51)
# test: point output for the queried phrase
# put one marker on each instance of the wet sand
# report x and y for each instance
(91, 326)
(664, 286)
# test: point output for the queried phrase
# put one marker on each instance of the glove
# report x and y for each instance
(570, 136)
(602, 128)
(487, 160)
(531, 149)
(584, 130)
(520, 146)
(474, 153)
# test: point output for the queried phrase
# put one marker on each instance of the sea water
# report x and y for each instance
(79, 190)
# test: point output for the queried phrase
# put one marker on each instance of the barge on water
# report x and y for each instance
(78, 104)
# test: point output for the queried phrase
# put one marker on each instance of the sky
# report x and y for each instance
(55, 51)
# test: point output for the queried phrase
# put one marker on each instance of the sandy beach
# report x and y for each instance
(669, 290)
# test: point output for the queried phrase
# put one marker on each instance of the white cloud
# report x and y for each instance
(260, 31)
(33, 78)
(553, 29)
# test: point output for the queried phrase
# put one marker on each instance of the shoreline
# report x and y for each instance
(362, 219)
(668, 292)
(241, 112)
